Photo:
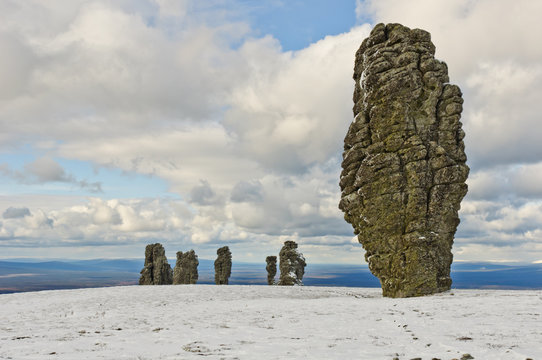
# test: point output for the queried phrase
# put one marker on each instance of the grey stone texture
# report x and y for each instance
(186, 268)
(156, 271)
(271, 269)
(292, 265)
(223, 266)
(404, 168)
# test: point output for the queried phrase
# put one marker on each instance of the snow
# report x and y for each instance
(268, 322)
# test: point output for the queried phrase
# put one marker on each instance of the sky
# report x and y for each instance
(200, 124)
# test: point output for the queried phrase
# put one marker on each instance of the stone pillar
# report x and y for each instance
(292, 265)
(156, 271)
(223, 266)
(404, 168)
(271, 269)
(186, 268)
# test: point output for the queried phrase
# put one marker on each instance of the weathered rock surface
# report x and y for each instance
(223, 266)
(404, 168)
(271, 269)
(186, 268)
(292, 265)
(156, 271)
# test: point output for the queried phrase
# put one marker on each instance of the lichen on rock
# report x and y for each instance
(156, 271)
(271, 269)
(292, 265)
(404, 168)
(186, 268)
(223, 266)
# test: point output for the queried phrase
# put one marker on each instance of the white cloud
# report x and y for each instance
(247, 191)
(105, 213)
(107, 71)
(182, 155)
(522, 182)
(249, 216)
(16, 65)
(502, 111)
(467, 32)
(203, 194)
(47, 170)
(15, 213)
(288, 125)
(100, 222)
(175, 8)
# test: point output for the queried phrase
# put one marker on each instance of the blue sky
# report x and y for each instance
(203, 124)
(297, 24)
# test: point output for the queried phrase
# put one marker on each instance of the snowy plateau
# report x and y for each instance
(268, 322)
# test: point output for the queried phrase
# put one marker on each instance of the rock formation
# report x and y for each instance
(223, 266)
(292, 265)
(271, 269)
(403, 164)
(156, 270)
(186, 268)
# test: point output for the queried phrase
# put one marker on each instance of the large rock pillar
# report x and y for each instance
(404, 168)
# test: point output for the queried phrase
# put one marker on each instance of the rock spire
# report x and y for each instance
(223, 266)
(404, 168)
(271, 269)
(186, 268)
(156, 271)
(292, 265)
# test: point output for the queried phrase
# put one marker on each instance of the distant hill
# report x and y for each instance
(18, 276)
(496, 276)
(34, 275)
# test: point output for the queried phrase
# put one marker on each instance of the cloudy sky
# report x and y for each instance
(200, 124)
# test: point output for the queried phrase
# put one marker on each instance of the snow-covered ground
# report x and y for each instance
(268, 322)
